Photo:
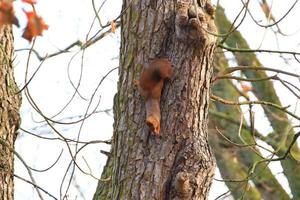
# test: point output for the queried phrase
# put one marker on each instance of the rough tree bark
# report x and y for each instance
(9, 113)
(178, 164)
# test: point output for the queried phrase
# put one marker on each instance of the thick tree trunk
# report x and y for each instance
(178, 164)
(9, 113)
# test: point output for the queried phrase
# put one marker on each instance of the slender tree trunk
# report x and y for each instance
(9, 113)
(233, 161)
(178, 164)
(264, 90)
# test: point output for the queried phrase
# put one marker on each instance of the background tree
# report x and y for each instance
(241, 143)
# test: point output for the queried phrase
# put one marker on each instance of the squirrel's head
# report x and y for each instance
(154, 124)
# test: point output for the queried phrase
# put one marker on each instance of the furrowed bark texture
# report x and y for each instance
(9, 113)
(178, 164)
(265, 91)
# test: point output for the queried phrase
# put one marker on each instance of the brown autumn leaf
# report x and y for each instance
(35, 26)
(30, 1)
(246, 88)
(113, 26)
(266, 9)
(7, 14)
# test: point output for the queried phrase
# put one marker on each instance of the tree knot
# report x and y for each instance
(182, 185)
(194, 23)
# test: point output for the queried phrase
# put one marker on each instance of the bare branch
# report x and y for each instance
(284, 109)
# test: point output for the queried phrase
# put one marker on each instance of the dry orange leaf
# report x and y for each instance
(7, 14)
(246, 88)
(35, 26)
(266, 9)
(113, 26)
(30, 1)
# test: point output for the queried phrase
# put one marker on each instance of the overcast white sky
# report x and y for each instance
(69, 21)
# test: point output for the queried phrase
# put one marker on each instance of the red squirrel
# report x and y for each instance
(150, 86)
